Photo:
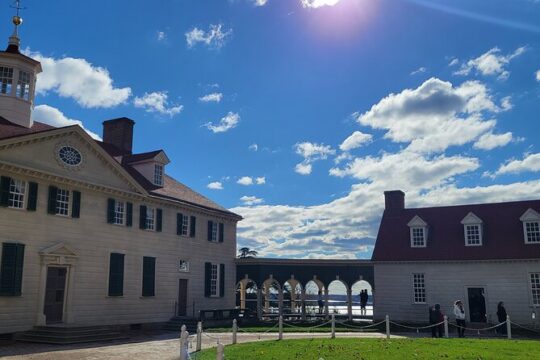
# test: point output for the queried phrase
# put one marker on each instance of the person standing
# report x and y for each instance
(363, 301)
(501, 316)
(459, 313)
(436, 317)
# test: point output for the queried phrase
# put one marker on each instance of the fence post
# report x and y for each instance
(234, 330)
(220, 352)
(184, 343)
(199, 336)
(387, 327)
(445, 326)
(508, 327)
(333, 326)
(280, 327)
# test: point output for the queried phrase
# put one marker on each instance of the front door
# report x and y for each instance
(55, 291)
(477, 305)
(182, 297)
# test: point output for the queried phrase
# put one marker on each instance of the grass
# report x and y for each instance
(379, 349)
(286, 329)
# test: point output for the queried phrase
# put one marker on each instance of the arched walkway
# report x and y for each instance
(357, 287)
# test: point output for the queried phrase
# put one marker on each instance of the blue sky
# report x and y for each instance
(298, 115)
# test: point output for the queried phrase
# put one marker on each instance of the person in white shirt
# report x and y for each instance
(459, 314)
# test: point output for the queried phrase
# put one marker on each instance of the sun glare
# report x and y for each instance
(318, 3)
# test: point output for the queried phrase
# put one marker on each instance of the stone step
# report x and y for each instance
(70, 335)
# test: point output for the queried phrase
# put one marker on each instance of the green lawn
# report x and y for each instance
(287, 329)
(371, 349)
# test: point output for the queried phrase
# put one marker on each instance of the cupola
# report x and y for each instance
(17, 80)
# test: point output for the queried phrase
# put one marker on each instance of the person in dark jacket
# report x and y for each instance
(435, 317)
(501, 316)
(363, 301)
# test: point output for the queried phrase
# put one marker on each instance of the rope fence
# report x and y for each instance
(186, 339)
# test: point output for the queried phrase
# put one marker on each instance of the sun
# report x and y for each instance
(318, 3)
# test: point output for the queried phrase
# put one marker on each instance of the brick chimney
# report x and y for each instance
(119, 132)
(394, 200)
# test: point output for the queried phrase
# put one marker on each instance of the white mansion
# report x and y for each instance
(93, 234)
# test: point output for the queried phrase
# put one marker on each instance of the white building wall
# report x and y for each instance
(448, 282)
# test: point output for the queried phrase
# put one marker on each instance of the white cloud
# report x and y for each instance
(90, 86)
(311, 152)
(226, 123)
(491, 63)
(303, 168)
(213, 97)
(161, 36)
(434, 116)
(260, 180)
(214, 38)
(538, 75)
(259, 2)
(420, 70)
(251, 200)
(356, 140)
(530, 163)
(453, 62)
(318, 3)
(157, 102)
(490, 141)
(52, 116)
(245, 180)
(253, 147)
(216, 185)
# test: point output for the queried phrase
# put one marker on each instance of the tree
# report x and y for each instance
(247, 253)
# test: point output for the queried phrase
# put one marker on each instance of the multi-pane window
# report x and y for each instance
(17, 190)
(150, 218)
(158, 174)
(119, 211)
(532, 229)
(214, 280)
(214, 231)
(183, 266)
(535, 288)
(419, 288)
(473, 235)
(418, 237)
(185, 225)
(23, 85)
(62, 202)
(6, 79)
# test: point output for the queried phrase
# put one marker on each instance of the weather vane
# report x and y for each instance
(17, 20)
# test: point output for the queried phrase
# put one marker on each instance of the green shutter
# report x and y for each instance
(192, 226)
(221, 232)
(129, 214)
(110, 210)
(207, 275)
(159, 220)
(11, 269)
(116, 275)
(51, 205)
(76, 205)
(210, 224)
(221, 280)
(142, 217)
(4, 190)
(179, 218)
(149, 276)
(32, 196)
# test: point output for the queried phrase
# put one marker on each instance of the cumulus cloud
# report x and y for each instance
(318, 3)
(530, 163)
(311, 152)
(215, 37)
(303, 168)
(491, 141)
(259, 2)
(248, 180)
(90, 86)
(52, 116)
(356, 140)
(491, 63)
(226, 123)
(213, 97)
(157, 102)
(216, 185)
(260, 180)
(251, 200)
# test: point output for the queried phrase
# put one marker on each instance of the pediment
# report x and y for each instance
(162, 158)
(59, 249)
(530, 215)
(470, 219)
(417, 221)
(40, 153)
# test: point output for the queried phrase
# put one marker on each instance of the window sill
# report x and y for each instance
(114, 296)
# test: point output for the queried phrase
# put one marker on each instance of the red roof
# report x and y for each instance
(502, 229)
(9, 129)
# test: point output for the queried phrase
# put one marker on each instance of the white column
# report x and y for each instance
(40, 319)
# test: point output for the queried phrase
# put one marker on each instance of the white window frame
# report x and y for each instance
(23, 85)
(534, 286)
(183, 265)
(469, 236)
(63, 201)
(6, 81)
(119, 213)
(214, 281)
(215, 230)
(158, 174)
(419, 288)
(184, 230)
(17, 194)
(150, 223)
(529, 218)
(414, 237)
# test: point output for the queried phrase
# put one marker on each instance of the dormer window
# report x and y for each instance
(6, 79)
(472, 228)
(531, 226)
(418, 232)
(158, 174)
